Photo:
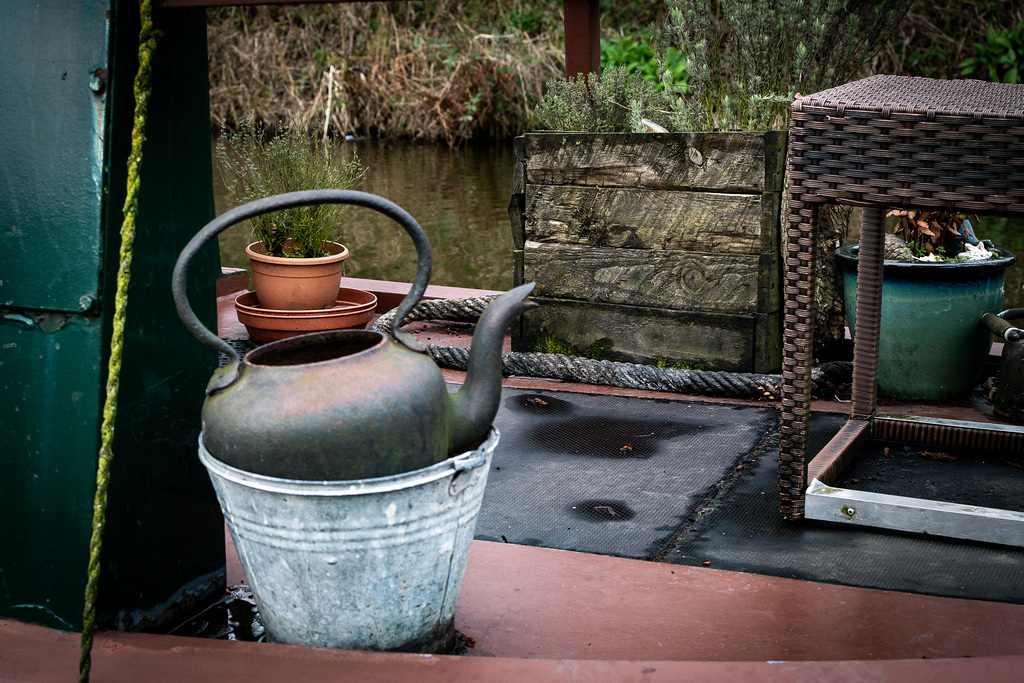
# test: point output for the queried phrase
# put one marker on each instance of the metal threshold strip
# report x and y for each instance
(918, 515)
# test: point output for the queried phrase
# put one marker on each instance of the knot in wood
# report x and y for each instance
(692, 278)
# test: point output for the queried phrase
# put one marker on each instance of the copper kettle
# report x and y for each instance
(347, 404)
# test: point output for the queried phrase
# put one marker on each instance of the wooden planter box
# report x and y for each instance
(656, 247)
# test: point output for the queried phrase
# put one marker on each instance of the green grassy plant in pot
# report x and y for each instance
(296, 259)
(938, 281)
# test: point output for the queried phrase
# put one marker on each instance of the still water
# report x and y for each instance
(459, 196)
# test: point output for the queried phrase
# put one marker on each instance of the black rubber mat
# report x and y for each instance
(696, 484)
(609, 475)
(943, 474)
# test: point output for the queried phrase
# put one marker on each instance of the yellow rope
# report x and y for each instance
(147, 43)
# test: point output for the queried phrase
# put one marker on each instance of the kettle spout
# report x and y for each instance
(473, 407)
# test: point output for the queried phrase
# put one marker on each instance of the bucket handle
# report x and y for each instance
(463, 465)
(469, 461)
(224, 376)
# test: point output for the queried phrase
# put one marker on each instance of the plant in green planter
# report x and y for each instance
(933, 236)
(938, 281)
(290, 242)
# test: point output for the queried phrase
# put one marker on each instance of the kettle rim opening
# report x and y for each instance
(311, 349)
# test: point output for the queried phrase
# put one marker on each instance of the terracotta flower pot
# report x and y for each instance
(296, 284)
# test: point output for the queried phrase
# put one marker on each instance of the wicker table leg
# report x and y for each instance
(797, 354)
(864, 392)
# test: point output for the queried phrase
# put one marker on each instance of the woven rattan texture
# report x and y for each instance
(900, 141)
(885, 141)
(949, 436)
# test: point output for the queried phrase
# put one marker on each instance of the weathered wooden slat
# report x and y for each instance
(768, 342)
(769, 283)
(654, 246)
(649, 219)
(517, 208)
(771, 235)
(519, 165)
(517, 219)
(721, 283)
(646, 335)
(517, 268)
(725, 162)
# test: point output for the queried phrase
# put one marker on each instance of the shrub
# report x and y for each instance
(998, 58)
(617, 101)
(636, 55)
(749, 58)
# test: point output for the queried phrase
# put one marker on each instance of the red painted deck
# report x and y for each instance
(556, 615)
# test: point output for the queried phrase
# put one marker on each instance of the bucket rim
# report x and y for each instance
(349, 487)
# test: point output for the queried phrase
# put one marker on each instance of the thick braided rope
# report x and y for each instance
(600, 372)
(147, 43)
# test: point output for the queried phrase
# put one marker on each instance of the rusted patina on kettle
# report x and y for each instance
(347, 404)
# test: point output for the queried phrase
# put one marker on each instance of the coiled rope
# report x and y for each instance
(142, 87)
(602, 372)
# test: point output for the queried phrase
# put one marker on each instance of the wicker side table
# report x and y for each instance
(885, 141)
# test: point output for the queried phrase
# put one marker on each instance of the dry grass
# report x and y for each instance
(379, 69)
(454, 70)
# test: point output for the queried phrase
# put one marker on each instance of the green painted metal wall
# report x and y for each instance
(65, 126)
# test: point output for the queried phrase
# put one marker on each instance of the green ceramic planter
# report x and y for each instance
(932, 341)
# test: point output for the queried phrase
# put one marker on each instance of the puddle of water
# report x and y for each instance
(607, 437)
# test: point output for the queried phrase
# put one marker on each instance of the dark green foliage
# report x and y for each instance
(637, 55)
(937, 36)
(528, 20)
(998, 58)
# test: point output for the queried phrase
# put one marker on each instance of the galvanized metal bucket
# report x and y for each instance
(369, 564)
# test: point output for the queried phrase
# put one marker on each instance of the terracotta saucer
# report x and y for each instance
(353, 309)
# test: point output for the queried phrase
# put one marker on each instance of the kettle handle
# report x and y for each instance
(289, 200)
